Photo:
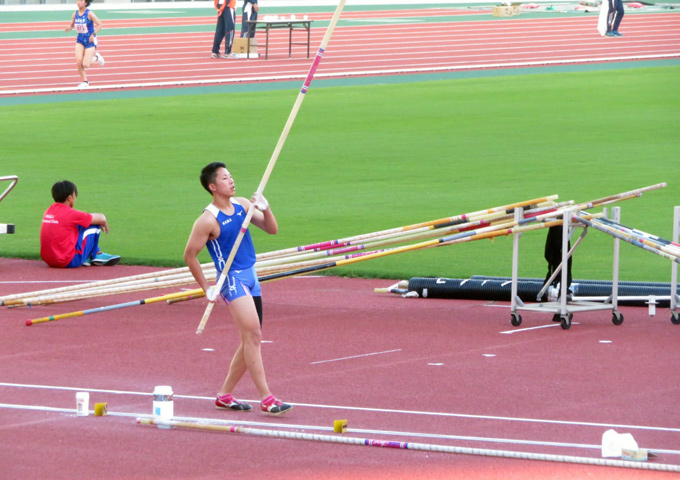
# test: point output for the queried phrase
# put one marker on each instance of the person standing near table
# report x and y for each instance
(226, 24)
(250, 9)
(218, 228)
(614, 18)
(88, 26)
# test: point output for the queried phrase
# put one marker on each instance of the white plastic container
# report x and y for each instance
(163, 404)
(82, 404)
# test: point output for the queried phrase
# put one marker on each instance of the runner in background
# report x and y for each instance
(88, 26)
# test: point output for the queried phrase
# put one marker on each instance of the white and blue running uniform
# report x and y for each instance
(85, 28)
(242, 278)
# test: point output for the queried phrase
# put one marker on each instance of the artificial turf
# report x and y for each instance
(359, 159)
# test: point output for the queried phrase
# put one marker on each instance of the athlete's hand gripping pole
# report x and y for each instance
(272, 161)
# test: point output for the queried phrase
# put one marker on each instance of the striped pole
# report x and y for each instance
(399, 236)
(661, 242)
(113, 307)
(501, 230)
(114, 289)
(272, 161)
(627, 238)
(156, 276)
(438, 223)
(341, 439)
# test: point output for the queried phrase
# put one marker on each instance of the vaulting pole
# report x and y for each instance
(272, 161)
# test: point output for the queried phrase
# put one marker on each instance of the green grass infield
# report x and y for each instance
(360, 159)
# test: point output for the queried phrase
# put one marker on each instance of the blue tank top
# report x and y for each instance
(230, 226)
(83, 25)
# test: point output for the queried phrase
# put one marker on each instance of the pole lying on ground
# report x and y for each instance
(272, 161)
(315, 437)
(157, 278)
(145, 301)
(543, 220)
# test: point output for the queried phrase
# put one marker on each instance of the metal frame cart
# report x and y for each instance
(563, 310)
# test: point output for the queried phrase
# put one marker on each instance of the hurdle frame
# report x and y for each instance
(7, 227)
(563, 310)
(675, 315)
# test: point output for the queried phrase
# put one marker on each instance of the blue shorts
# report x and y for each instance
(240, 283)
(87, 245)
(84, 40)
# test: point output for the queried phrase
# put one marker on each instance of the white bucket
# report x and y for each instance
(82, 404)
(163, 405)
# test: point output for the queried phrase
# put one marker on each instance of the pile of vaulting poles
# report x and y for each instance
(484, 224)
(646, 241)
(280, 264)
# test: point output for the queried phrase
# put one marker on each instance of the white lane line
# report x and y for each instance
(517, 330)
(136, 84)
(355, 356)
(72, 411)
(377, 410)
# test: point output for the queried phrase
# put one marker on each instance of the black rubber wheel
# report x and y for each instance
(516, 319)
(675, 318)
(565, 322)
(617, 318)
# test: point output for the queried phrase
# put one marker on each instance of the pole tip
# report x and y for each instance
(29, 323)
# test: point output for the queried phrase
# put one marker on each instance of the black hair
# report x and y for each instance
(88, 2)
(209, 174)
(62, 190)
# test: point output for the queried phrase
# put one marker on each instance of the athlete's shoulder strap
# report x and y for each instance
(213, 209)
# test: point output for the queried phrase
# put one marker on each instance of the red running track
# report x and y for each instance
(429, 371)
(206, 20)
(176, 59)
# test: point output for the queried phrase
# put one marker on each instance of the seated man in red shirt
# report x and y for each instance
(68, 237)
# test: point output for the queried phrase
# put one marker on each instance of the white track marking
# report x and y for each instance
(368, 409)
(518, 330)
(72, 411)
(355, 356)
(340, 74)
